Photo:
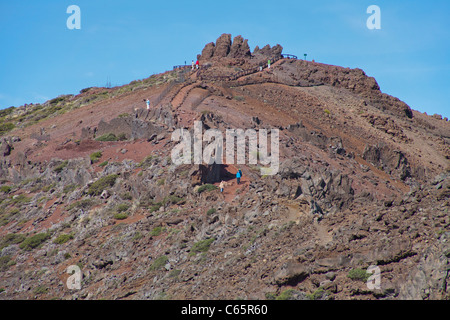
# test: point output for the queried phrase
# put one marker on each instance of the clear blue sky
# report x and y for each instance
(40, 58)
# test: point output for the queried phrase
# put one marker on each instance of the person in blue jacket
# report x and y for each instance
(238, 176)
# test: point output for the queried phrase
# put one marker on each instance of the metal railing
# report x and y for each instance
(289, 56)
(181, 66)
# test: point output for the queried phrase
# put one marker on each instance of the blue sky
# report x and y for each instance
(40, 58)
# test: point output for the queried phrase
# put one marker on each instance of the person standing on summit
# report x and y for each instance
(193, 64)
(196, 64)
(268, 63)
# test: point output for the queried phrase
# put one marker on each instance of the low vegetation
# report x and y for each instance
(122, 207)
(10, 239)
(120, 216)
(5, 189)
(95, 156)
(156, 231)
(358, 274)
(6, 127)
(5, 263)
(207, 187)
(107, 137)
(101, 184)
(63, 238)
(159, 263)
(61, 166)
(34, 241)
(202, 246)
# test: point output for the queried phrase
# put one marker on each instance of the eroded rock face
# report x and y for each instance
(223, 46)
(208, 51)
(268, 51)
(237, 49)
(5, 147)
(392, 161)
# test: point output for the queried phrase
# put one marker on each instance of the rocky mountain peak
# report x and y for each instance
(236, 49)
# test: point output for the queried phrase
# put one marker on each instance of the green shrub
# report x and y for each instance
(155, 207)
(126, 196)
(147, 161)
(122, 207)
(40, 290)
(4, 220)
(11, 238)
(159, 263)
(14, 211)
(172, 199)
(5, 263)
(120, 216)
(270, 296)
(6, 127)
(206, 187)
(123, 115)
(122, 137)
(156, 231)
(358, 274)
(34, 241)
(101, 184)
(5, 189)
(21, 199)
(95, 156)
(137, 236)
(107, 137)
(211, 211)
(316, 295)
(202, 246)
(286, 294)
(174, 273)
(48, 187)
(160, 182)
(7, 111)
(103, 164)
(69, 188)
(61, 166)
(81, 204)
(63, 238)
(327, 111)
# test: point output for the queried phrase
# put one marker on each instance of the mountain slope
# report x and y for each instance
(363, 181)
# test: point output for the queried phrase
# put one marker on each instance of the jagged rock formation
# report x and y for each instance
(236, 49)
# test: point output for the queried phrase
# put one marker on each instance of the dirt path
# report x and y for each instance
(232, 189)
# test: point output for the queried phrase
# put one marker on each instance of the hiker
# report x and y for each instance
(260, 67)
(193, 64)
(221, 186)
(268, 63)
(148, 104)
(196, 64)
(238, 176)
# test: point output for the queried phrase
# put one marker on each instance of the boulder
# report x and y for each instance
(5, 148)
(208, 51)
(291, 273)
